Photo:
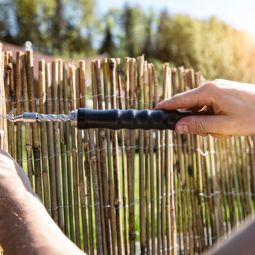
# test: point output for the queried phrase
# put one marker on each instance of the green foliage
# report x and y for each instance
(148, 40)
(211, 46)
(178, 39)
(131, 31)
(108, 45)
(133, 25)
(70, 28)
(4, 20)
(53, 26)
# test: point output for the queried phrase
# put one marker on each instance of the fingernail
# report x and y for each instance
(181, 129)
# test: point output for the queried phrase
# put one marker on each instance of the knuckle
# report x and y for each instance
(209, 86)
(197, 127)
(211, 91)
(217, 81)
(176, 98)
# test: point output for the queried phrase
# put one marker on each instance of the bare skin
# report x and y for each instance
(27, 228)
(231, 108)
(25, 225)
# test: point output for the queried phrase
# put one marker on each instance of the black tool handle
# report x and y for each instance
(129, 119)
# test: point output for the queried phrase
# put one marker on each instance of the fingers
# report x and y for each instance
(202, 125)
(200, 96)
(218, 136)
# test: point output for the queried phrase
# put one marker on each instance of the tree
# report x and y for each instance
(211, 46)
(148, 48)
(178, 39)
(26, 21)
(53, 26)
(108, 45)
(58, 28)
(133, 25)
(79, 15)
(4, 20)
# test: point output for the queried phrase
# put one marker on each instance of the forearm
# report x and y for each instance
(31, 230)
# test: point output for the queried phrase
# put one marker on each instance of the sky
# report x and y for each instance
(238, 13)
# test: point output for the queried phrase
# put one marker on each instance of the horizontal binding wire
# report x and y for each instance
(203, 153)
(137, 201)
(45, 98)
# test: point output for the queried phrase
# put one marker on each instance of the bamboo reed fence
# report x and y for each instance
(124, 192)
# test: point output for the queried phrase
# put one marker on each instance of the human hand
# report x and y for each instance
(231, 106)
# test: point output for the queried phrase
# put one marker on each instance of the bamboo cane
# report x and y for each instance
(152, 82)
(28, 139)
(158, 173)
(101, 154)
(121, 105)
(168, 170)
(131, 160)
(200, 179)
(81, 94)
(56, 135)
(112, 68)
(74, 158)
(142, 204)
(67, 134)
(177, 162)
(194, 186)
(182, 181)
(110, 211)
(188, 177)
(62, 148)
(35, 135)
(51, 152)
(146, 156)
(7, 77)
(18, 93)
(43, 134)
(93, 145)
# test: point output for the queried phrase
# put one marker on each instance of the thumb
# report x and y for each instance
(202, 125)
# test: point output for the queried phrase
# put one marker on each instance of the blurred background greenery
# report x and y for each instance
(74, 29)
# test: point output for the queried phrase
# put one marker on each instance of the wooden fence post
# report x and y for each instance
(3, 134)
(3, 124)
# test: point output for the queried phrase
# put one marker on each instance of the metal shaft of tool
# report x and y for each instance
(53, 117)
(32, 117)
(111, 119)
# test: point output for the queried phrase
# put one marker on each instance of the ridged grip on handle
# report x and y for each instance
(129, 119)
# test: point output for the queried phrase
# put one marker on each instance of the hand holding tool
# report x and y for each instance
(112, 119)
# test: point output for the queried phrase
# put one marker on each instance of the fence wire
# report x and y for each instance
(125, 192)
